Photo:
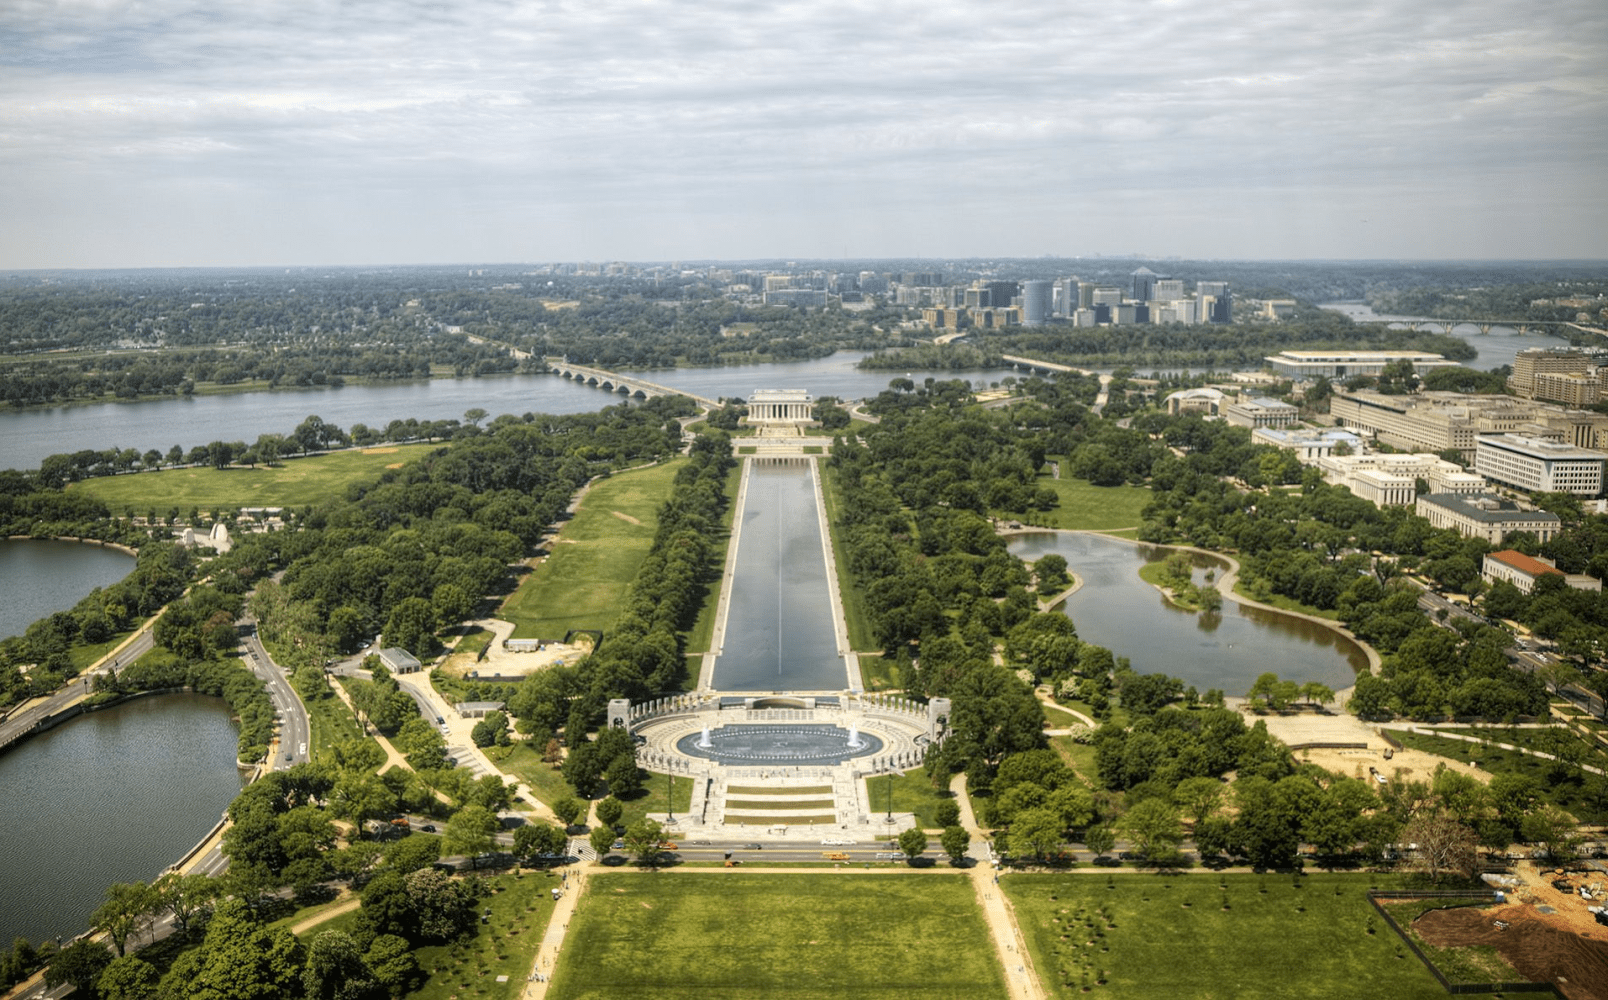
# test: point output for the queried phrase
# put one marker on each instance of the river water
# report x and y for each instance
(1495, 348)
(27, 437)
(40, 577)
(779, 628)
(1227, 650)
(112, 796)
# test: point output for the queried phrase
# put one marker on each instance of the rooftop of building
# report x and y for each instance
(1523, 563)
(1486, 507)
(1538, 447)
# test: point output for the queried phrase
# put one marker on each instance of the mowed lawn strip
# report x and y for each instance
(1086, 507)
(295, 482)
(1172, 938)
(809, 937)
(597, 553)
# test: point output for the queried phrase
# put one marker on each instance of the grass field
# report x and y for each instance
(295, 482)
(1169, 936)
(1086, 507)
(583, 581)
(543, 778)
(912, 793)
(808, 937)
(520, 905)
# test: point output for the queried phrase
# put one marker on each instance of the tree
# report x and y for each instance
(568, 810)
(535, 839)
(913, 842)
(643, 838)
(1099, 839)
(390, 959)
(472, 831)
(128, 978)
(1198, 797)
(602, 841)
(1445, 846)
(1152, 826)
(239, 958)
(412, 853)
(444, 907)
(336, 970)
(609, 811)
(81, 964)
(623, 775)
(187, 896)
(127, 906)
(955, 841)
(1036, 831)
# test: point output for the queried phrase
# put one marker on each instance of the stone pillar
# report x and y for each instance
(937, 719)
(620, 714)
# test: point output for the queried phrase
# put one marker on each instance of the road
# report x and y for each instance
(23, 719)
(295, 732)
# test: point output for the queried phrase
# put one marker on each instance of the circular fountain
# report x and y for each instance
(783, 745)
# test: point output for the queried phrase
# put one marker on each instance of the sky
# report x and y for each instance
(169, 132)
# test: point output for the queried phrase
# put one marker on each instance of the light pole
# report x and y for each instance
(670, 798)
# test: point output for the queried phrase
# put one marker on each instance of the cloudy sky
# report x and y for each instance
(171, 132)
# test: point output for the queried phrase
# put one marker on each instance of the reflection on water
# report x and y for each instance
(779, 629)
(114, 796)
(1226, 650)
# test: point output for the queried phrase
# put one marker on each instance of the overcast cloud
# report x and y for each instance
(167, 132)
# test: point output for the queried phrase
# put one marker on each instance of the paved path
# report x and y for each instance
(1020, 978)
(541, 970)
(1427, 730)
(717, 638)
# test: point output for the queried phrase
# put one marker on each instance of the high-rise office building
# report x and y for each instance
(1142, 284)
(1221, 307)
(1001, 294)
(1037, 302)
(1066, 297)
(1168, 290)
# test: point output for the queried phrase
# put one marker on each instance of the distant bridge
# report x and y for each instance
(1045, 367)
(1446, 326)
(625, 385)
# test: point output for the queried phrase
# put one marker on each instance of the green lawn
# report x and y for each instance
(597, 554)
(1087, 507)
(331, 723)
(733, 934)
(1169, 936)
(854, 611)
(652, 798)
(295, 482)
(912, 793)
(544, 779)
(880, 673)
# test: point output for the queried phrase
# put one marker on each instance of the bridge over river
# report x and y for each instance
(626, 385)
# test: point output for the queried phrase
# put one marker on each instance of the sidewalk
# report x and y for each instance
(541, 971)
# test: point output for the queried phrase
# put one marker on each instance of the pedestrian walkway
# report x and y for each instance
(541, 972)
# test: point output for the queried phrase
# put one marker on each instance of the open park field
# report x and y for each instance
(1085, 507)
(583, 580)
(727, 935)
(294, 482)
(1149, 935)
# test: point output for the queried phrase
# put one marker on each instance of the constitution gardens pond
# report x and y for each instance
(116, 795)
(1226, 650)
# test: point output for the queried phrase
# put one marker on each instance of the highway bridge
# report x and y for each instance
(625, 385)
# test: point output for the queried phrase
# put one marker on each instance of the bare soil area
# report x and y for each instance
(1539, 948)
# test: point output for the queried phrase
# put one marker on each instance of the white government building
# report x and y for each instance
(1529, 463)
(780, 406)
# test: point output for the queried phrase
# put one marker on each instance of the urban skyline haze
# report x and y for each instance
(171, 132)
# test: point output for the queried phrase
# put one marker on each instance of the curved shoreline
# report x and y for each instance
(100, 542)
(1224, 585)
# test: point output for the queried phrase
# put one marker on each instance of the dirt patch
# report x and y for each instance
(1541, 951)
(381, 451)
(625, 517)
(395, 465)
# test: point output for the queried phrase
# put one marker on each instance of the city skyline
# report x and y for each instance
(175, 134)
